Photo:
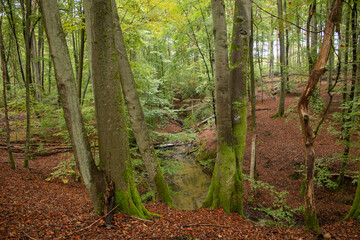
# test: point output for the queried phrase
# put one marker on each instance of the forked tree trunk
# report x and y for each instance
(109, 105)
(65, 80)
(5, 76)
(137, 119)
(311, 221)
(226, 188)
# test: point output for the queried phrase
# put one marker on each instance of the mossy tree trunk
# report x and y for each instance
(137, 119)
(226, 189)
(238, 79)
(65, 80)
(311, 221)
(109, 104)
(355, 208)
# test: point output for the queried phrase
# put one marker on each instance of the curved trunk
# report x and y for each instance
(157, 180)
(65, 80)
(311, 221)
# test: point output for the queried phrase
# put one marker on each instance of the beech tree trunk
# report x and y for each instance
(93, 178)
(226, 188)
(137, 119)
(311, 221)
(109, 104)
(281, 109)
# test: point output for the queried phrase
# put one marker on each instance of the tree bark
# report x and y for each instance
(65, 80)
(311, 221)
(109, 104)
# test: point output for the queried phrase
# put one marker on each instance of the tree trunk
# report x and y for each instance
(36, 67)
(137, 119)
(109, 104)
(226, 189)
(310, 27)
(281, 109)
(355, 208)
(5, 79)
(253, 106)
(314, 37)
(65, 80)
(271, 66)
(349, 111)
(26, 12)
(287, 49)
(14, 31)
(81, 59)
(311, 221)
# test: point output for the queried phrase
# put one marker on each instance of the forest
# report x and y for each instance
(179, 119)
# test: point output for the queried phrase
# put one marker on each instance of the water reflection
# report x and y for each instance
(191, 184)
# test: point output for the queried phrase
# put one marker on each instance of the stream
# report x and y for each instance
(189, 184)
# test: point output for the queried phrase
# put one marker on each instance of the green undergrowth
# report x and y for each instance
(279, 210)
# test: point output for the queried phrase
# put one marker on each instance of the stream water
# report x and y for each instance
(189, 184)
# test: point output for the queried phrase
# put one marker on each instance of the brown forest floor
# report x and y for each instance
(33, 208)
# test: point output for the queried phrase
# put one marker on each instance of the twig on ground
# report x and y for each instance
(26, 233)
(136, 218)
(92, 224)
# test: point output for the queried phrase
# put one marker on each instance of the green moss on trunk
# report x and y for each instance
(311, 221)
(226, 189)
(162, 188)
(355, 208)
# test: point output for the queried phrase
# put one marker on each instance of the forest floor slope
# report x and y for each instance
(33, 208)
